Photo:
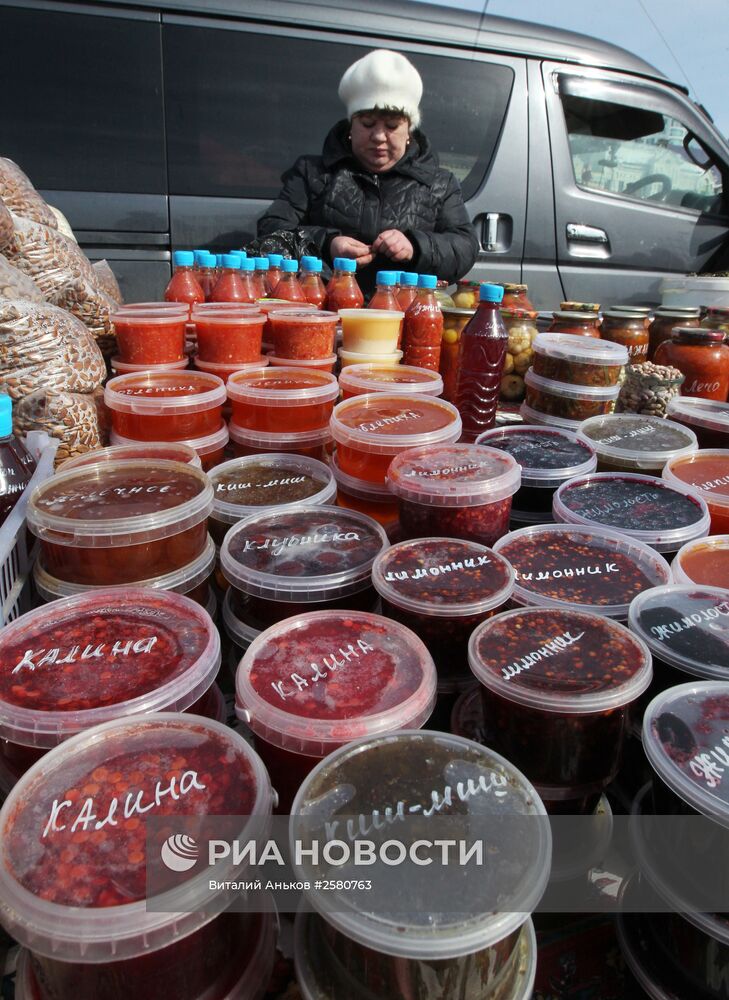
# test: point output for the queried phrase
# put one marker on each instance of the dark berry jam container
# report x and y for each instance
(305, 559)
(706, 418)
(454, 491)
(548, 457)
(557, 687)
(312, 683)
(110, 653)
(636, 442)
(441, 588)
(662, 515)
(74, 843)
(459, 926)
(586, 569)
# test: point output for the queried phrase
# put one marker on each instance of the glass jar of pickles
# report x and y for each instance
(629, 329)
(521, 325)
(516, 297)
(466, 295)
(664, 320)
(454, 320)
(716, 319)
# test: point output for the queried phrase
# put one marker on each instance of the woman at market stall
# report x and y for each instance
(377, 194)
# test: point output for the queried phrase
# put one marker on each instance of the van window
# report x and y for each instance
(242, 106)
(640, 154)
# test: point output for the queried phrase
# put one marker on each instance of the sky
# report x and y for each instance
(688, 40)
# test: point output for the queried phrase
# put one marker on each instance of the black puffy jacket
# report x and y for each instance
(332, 195)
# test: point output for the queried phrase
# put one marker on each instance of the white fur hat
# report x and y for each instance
(385, 80)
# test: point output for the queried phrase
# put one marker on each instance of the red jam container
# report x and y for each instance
(317, 681)
(307, 559)
(441, 588)
(557, 689)
(368, 498)
(708, 419)
(570, 567)
(455, 491)
(120, 367)
(303, 334)
(314, 444)
(229, 337)
(173, 451)
(707, 473)
(103, 655)
(371, 430)
(323, 364)
(165, 406)
(93, 930)
(144, 307)
(209, 450)
(282, 400)
(151, 337)
(114, 523)
(705, 561)
(356, 380)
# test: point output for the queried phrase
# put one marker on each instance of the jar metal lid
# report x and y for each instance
(567, 391)
(164, 393)
(578, 315)
(629, 437)
(586, 350)
(700, 334)
(626, 312)
(680, 312)
(364, 422)
(272, 472)
(453, 475)
(555, 446)
(274, 386)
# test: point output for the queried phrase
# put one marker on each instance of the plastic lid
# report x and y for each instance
(274, 259)
(345, 264)
(443, 577)
(427, 281)
(592, 393)
(699, 334)
(75, 663)
(261, 263)
(101, 913)
(704, 561)
(584, 350)
(554, 660)
(386, 278)
(268, 305)
(453, 475)
(237, 631)
(357, 358)
(200, 309)
(309, 553)
(227, 317)
(271, 441)
(120, 367)
(384, 423)
(637, 439)
(289, 266)
(150, 450)
(327, 364)
(685, 740)
(232, 261)
(414, 770)
(183, 258)
(364, 675)
(547, 456)
(371, 315)
(124, 503)
(408, 279)
(564, 565)
(706, 472)
(303, 315)
(224, 369)
(156, 307)
(245, 485)
(530, 416)
(150, 317)
(163, 393)
(283, 387)
(362, 489)
(378, 377)
(490, 293)
(645, 507)
(706, 413)
(201, 446)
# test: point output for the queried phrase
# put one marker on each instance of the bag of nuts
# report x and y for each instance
(6, 225)
(106, 280)
(70, 417)
(16, 285)
(93, 307)
(46, 256)
(18, 193)
(648, 388)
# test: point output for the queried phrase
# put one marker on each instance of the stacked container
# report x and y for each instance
(370, 335)
(229, 337)
(303, 337)
(150, 336)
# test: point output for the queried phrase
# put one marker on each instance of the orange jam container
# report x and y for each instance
(704, 561)
(708, 472)
(356, 380)
(152, 336)
(282, 400)
(165, 406)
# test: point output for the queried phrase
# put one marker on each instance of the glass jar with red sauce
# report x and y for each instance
(706, 472)
(581, 324)
(225, 337)
(113, 523)
(93, 929)
(165, 406)
(706, 418)
(320, 680)
(716, 319)
(314, 444)
(306, 559)
(302, 334)
(357, 380)
(568, 402)
(152, 337)
(282, 400)
(373, 499)
(98, 656)
(631, 442)
(703, 357)
(628, 329)
(557, 686)
(454, 491)
(209, 449)
(441, 588)
(705, 561)
(564, 357)
(664, 320)
(171, 451)
(370, 430)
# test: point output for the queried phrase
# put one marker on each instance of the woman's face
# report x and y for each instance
(379, 140)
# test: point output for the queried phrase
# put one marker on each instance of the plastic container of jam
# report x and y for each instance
(151, 337)
(631, 442)
(317, 681)
(565, 357)
(662, 515)
(371, 430)
(120, 367)
(347, 358)
(707, 473)
(372, 499)
(225, 371)
(315, 444)
(441, 588)
(548, 457)
(229, 337)
(282, 400)
(173, 451)
(571, 402)
(102, 655)
(530, 416)
(706, 418)
(575, 322)
(557, 686)
(114, 523)
(357, 380)
(321, 364)
(370, 331)
(705, 561)
(571, 567)
(209, 449)
(302, 334)
(92, 928)
(307, 559)
(165, 406)
(628, 328)
(387, 939)
(454, 491)
(245, 486)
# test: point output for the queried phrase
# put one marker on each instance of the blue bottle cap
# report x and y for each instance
(427, 280)
(408, 279)
(289, 266)
(314, 267)
(209, 260)
(274, 259)
(199, 255)
(345, 264)
(230, 260)
(490, 293)
(183, 258)
(305, 261)
(238, 253)
(261, 263)
(387, 278)
(218, 259)
(6, 415)
(247, 264)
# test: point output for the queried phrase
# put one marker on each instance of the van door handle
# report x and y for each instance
(585, 234)
(492, 230)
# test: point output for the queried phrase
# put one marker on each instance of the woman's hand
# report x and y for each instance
(347, 246)
(393, 244)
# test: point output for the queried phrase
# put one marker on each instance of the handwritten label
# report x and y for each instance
(622, 504)
(284, 481)
(279, 545)
(161, 390)
(666, 632)
(711, 765)
(376, 425)
(626, 434)
(320, 671)
(550, 648)
(569, 571)
(713, 484)
(696, 387)
(112, 491)
(35, 658)
(444, 472)
(422, 573)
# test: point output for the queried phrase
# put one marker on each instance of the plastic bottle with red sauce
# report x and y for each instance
(248, 277)
(481, 363)
(313, 287)
(207, 274)
(384, 296)
(273, 274)
(423, 326)
(16, 462)
(408, 289)
(184, 286)
(230, 287)
(260, 272)
(343, 292)
(289, 287)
